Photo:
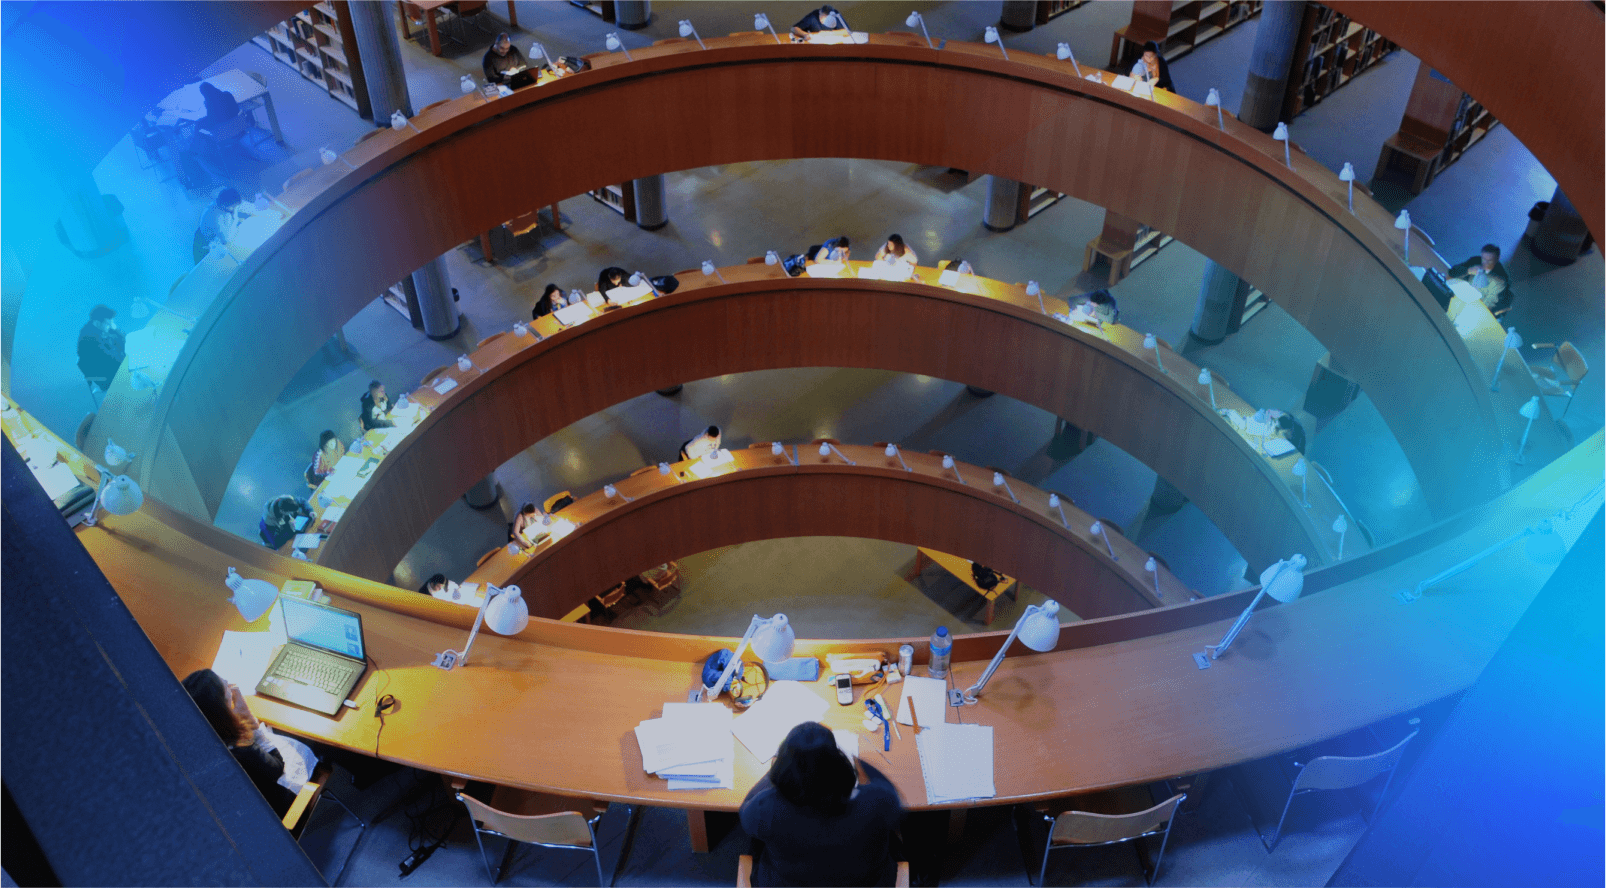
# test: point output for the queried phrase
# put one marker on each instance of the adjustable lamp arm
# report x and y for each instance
(971, 692)
(711, 693)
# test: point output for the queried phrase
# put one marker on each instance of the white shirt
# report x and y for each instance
(701, 446)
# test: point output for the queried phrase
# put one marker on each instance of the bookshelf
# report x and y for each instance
(1048, 10)
(1125, 243)
(1177, 25)
(1439, 124)
(318, 42)
(1330, 52)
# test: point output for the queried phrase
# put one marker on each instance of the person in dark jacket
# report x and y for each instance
(823, 20)
(502, 60)
(612, 277)
(1151, 68)
(1488, 276)
(248, 740)
(220, 107)
(100, 347)
(551, 300)
(375, 408)
(279, 519)
(819, 822)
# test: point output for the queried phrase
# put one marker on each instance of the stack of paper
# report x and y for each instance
(929, 697)
(957, 762)
(573, 314)
(828, 269)
(242, 657)
(690, 745)
(783, 707)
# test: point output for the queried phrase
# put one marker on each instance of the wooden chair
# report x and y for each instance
(643, 470)
(560, 829)
(1559, 378)
(80, 438)
(432, 105)
(373, 133)
(760, 445)
(487, 557)
(1341, 772)
(296, 177)
(1088, 829)
(664, 583)
(492, 338)
(755, 260)
(831, 441)
(295, 819)
(432, 375)
(744, 872)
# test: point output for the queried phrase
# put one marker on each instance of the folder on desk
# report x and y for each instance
(1122, 82)
(829, 269)
(930, 697)
(957, 763)
(570, 315)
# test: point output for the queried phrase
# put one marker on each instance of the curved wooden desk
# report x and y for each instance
(1103, 382)
(1088, 716)
(1226, 193)
(759, 496)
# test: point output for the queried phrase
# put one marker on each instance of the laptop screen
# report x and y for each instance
(325, 627)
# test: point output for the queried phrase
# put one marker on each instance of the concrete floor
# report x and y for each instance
(728, 213)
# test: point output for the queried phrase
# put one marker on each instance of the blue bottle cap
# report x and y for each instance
(942, 630)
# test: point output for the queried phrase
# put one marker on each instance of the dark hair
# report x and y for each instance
(211, 693)
(712, 431)
(1293, 430)
(1101, 297)
(374, 385)
(325, 438)
(550, 289)
(897, 241)
(436, 580)
(842, 242)
(1491, 248)
(527, 509)
(102, 313)
(228, 197)
(1153, 47)
(811, 772)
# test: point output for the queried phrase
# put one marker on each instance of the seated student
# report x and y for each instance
(219, 222)
(101, 347)
(896, 250)
(837, 249)
(702, 445)
(820, 822)
(375, 408)
(520, 530)
(502, 60)
(612, 278)
(825, 20)
(551, 300)
(1290, 428)
(1496, 282)
(434, 584)
(330, 450)
(279, 519)
(269, 760)
(1152, 69)
(221, 107)
(1100, 306)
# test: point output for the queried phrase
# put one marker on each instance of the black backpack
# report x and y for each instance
(985, 577)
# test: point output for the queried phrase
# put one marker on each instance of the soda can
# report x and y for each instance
(906, 658)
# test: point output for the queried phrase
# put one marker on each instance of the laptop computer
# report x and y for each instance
(322, 658)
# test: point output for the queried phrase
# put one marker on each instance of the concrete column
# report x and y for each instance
(651, 212)
(1220, 309)
(483, 494)
(1269, 62)
(1003, 203)
(374, 25)
(1018, 15)
(1561, 233)
(435, 305)
(632, 15)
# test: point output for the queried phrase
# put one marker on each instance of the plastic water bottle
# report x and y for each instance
(941, 647)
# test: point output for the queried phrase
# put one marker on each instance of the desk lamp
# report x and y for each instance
(116, 456)
(638, 279)
(465, 364)
(1151, 344)
(1038, 629)
(504, 610)
(576, 297)
(772, 258)
(1403, 223)
(1546, 547)
(1282, 581)
(762, 21)
(1530, 412)
(827, 448)
(1481, 279)
(537, 49)
(1054, 503)
(1340, 524)
(916, 18)
(663, 468)
(329, 157)
(466, 84)
(614, 45)
(948, 463)
(1032, 289)
(1302, 471)
(687, 30)
(252, 598)
(1098, 530)
(1205, 379)
(1513, 340)
(399, 121)
(1154, 571)
(776, 449)
(892, 453)
(609, 491)
(1281, 135)
(1213, 99)
(1063, 52)
(709, 269)
(1347, 175)
(1000, 481)
(118, 495)
(992, 37)
(771, 639)
(520, 328)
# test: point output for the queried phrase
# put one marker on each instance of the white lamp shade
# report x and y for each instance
(1204, 377)
(1063, 51)
(708, 267)
(1032, 289)
(1053, 501)
(613, 41)
(1148, 341)
(992, 34)
(142, 309)
(663, 468)
(327, 156)
(1403, 220)
(1481, 279)
(1347, 174)
(466, 84)
(1213, 98)
(1280, 133)
(122, 496)
(760, 21)
(1150, 566)
(998, 479)
(912, 21)
(1340, 524)
(1513, 338)
(685, 27)
(1530, 409)
(251, 598)
(636, 279)
(507, 613)
(825, 450)
(1040, 627)
(774, 639)
(1300, 468)
(576, 297)
(610, 491)
(463, 363)
(398, 120)
(892, 450)
(1285, 579)
(947, 462)
(520, 330)
(831, 20)
(115, 455)
(772, 258)
(776, 449)
(537, 51)
(1097, 528)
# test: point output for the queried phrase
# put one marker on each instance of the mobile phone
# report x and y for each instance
(844, 689)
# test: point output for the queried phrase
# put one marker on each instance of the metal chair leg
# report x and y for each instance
(624, 845)
(362, 828)
(483, 858)
(1277, 834)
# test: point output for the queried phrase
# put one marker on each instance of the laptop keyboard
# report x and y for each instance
(315, 671)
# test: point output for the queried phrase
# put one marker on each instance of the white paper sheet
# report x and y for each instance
(627, 294)
(570, 315)
(445, 385)
(56, 479)
(957, 762)
(847, 740)
(765, 724)
(1122, 82)
(931, 699)
(691, 745)
(825, 269)
(242, 657)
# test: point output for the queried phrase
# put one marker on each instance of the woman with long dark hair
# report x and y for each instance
(820, 822)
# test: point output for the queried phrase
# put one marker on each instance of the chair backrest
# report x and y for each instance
(492, 338)
(370, 134)
(563, 828)
(487, 557)
(430, 376)
(297, 177)
(755, 260)
(1084, 828)
(1572, 362)
(831, 441)
(233, 128)
(760, 445)
(643, 470)
(552, 503)
(432, 105)
(1343, 772)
